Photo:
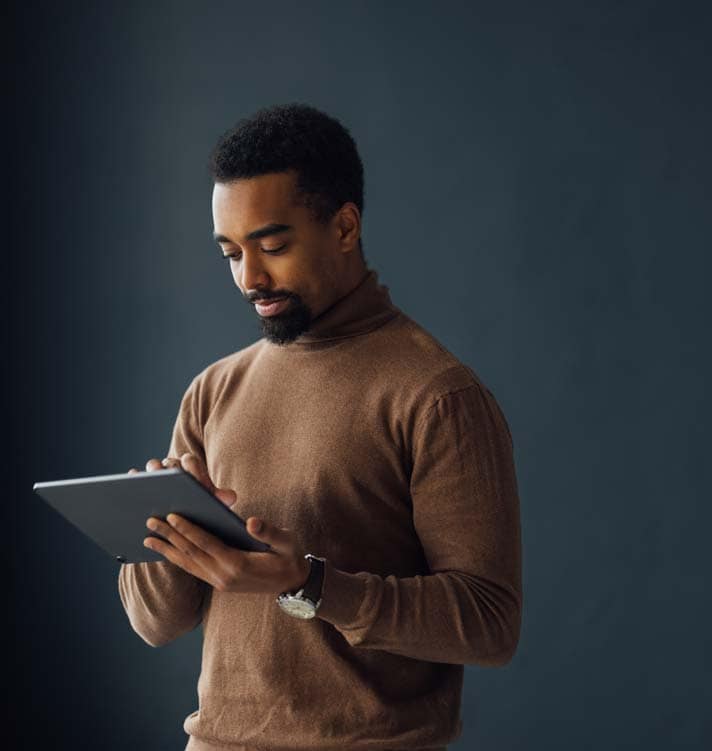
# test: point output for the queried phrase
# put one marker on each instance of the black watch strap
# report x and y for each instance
(315, 580)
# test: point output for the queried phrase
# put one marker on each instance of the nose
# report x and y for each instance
(252, 275)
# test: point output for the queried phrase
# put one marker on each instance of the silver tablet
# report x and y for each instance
(112, 510)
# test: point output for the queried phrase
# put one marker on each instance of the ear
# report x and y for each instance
(348, 225)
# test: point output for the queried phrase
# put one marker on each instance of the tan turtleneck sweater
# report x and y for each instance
(391, 459)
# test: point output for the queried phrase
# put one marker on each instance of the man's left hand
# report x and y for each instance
(228, 569)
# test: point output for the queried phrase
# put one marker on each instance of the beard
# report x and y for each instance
(286, 326)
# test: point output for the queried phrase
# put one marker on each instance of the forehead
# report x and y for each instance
(254, 200)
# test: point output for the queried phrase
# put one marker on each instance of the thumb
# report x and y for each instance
(280, 539)
(227, 496)
(195, 465)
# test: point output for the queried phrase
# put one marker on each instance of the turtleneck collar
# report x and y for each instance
(366, 307)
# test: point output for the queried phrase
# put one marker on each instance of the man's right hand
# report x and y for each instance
(195, 466)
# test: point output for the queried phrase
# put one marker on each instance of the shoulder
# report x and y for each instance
(434, 386)
(430, 369)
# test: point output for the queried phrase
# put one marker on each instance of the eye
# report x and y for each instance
(269, 251)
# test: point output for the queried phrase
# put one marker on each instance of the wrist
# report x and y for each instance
(304, 601)
(298, 581)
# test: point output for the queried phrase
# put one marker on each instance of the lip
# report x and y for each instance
(271, 307)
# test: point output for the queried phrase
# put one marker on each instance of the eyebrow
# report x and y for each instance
(266, 231)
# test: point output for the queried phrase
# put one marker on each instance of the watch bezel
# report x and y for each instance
(297, 604)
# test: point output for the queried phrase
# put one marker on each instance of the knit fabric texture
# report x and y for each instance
(388, 457)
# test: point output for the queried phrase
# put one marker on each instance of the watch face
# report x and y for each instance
(297, 608)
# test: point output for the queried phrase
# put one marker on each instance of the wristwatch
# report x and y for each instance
(305, 602)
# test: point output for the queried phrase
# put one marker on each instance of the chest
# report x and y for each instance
(294, 446)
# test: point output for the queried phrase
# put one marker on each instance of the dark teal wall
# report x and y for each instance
(538, 195)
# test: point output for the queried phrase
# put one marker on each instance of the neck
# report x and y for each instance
(364, 306)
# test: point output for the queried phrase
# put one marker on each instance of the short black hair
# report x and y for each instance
(296, 137)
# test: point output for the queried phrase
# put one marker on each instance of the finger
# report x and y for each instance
(153, 464)
(200, 539)
(227, 496)
(193, 464)
(133, 471)
(179, 541)
(281, 540)
(174, 555)
(170, 462)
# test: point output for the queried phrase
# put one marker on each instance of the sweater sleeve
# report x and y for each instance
(467, 610)
(162, 600)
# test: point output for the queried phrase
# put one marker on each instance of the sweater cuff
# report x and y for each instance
(342, 595)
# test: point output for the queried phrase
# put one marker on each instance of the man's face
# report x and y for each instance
(279, 251)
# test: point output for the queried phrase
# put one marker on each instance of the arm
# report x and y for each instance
(466, 514)
(162, 600)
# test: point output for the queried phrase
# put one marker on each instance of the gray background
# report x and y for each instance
(537, 196)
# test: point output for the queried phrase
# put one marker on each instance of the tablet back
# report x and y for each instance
(112, 510)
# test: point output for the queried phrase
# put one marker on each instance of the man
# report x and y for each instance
(346, 433)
